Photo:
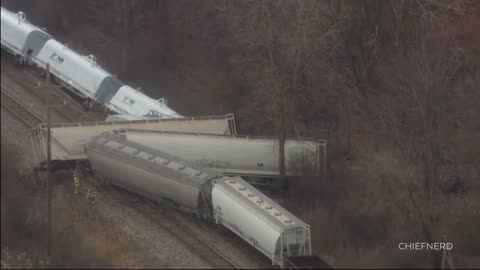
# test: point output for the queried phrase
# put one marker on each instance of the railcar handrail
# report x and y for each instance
(21, 17)
(320, 141)
(146, 121)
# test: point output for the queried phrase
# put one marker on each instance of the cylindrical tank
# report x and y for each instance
(148, 172)
(258, 220)
(235, 155)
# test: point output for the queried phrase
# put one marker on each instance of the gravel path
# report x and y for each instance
(142, 242)
(150, 237)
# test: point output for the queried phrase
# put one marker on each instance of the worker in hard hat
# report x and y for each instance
(76, 181)
(91, 195)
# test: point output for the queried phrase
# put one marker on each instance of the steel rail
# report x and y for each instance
(181, 231)
(19, 110)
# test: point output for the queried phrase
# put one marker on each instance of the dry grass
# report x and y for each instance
(12, 260)
(20, 238)
(111, 244)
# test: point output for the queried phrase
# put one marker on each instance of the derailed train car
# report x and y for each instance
(259, 220)
(150, 173)
(237, 155)
(228, 201)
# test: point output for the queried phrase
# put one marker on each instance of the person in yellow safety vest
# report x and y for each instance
(91, 194)
(76, 181)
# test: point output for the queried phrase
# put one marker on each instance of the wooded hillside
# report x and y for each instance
(394, 85)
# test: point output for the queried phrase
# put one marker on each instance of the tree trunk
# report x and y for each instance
(164, 21)
(281, 154)
(124, 7)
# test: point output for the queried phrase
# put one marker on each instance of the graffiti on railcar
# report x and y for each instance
(213, 163)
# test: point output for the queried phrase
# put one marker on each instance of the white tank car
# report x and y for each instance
(20, 37)
(131, 101)
(78, 73)
(153, 174)
(259, 220)
(245, 156)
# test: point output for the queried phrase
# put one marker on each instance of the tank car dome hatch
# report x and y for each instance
(92, 59)
(21, 14)
(162, 101)
(22, 17)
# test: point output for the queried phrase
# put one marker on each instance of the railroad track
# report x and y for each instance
(72, 113)
(62, 110)
(15, 106)
(165, 218)
(193, 241)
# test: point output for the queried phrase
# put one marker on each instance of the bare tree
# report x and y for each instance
(418, 81)
(281, 40)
